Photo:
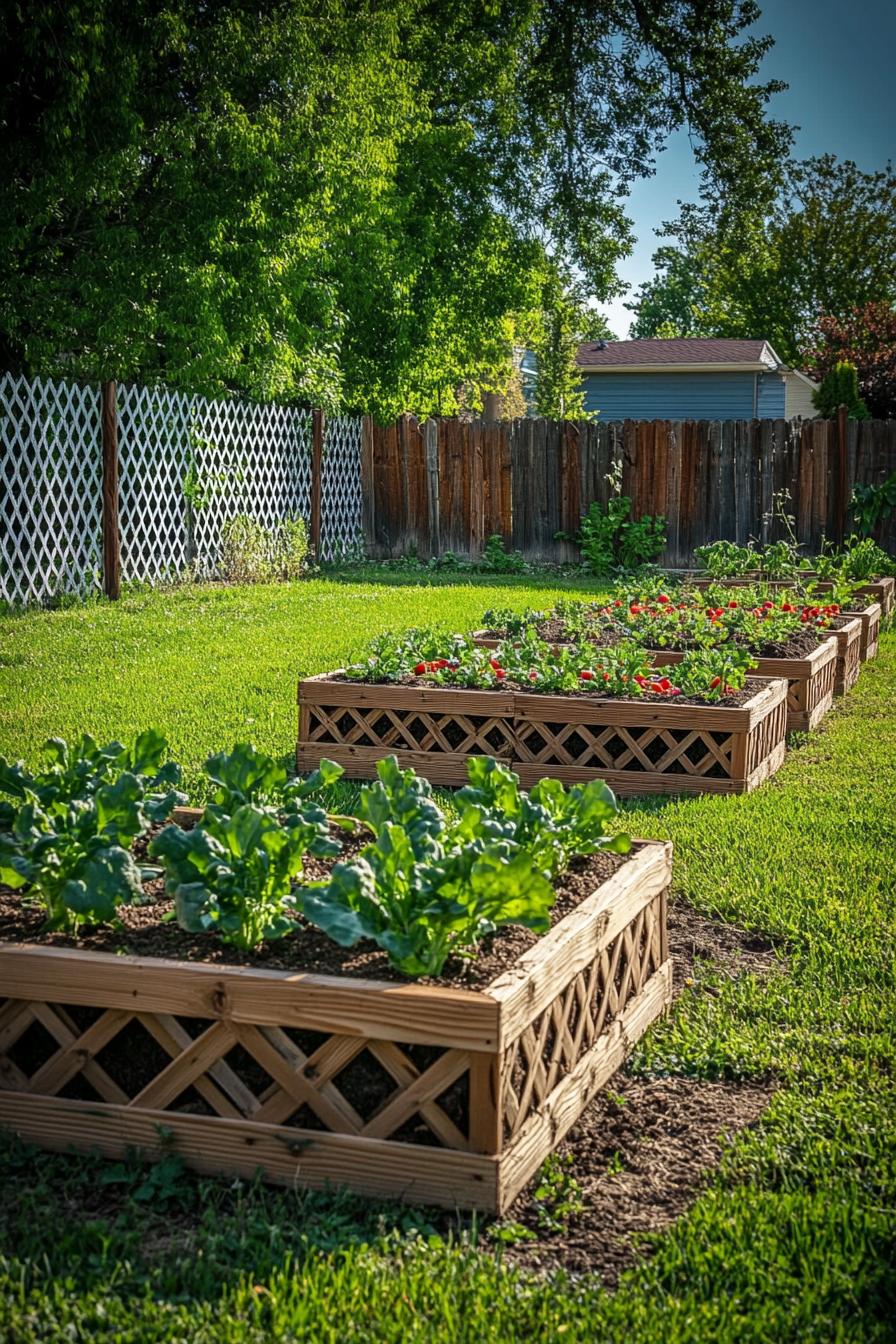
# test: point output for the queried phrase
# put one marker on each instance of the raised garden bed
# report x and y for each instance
(876, 590)
(240, 1070)
(811, 680)
(870, 618)
(637, 746)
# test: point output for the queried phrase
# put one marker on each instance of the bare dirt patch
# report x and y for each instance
(642, 1153)
(646, 1147)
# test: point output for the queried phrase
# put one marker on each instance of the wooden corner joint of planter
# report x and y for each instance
(523, 992)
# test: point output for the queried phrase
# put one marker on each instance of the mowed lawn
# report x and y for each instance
(793, 1239)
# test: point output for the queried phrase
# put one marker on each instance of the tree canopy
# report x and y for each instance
(864, 339)
(355, 204)
(824, 243)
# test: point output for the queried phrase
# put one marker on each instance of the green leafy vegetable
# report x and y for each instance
(65, 833)
(429, 886)
(235, 871)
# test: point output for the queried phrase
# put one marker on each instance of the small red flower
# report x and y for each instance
(732, 603)
(663, 598)
(499, 672)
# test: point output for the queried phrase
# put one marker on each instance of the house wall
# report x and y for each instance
(798, 399)
(683, 396)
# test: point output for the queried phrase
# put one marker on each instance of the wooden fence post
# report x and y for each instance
(111, 535)
(842, 452)
(368, 497)
(317, 451)
(431, 449)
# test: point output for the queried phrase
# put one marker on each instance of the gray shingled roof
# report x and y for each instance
(617, 354)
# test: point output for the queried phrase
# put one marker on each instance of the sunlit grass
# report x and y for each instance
(792, 1241)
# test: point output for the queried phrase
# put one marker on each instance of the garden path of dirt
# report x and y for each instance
(646, 1147)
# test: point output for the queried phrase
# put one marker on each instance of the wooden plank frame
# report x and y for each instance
(849, 654)
(638, 747)
(534, 1048)
(870, 618)
(811, 685)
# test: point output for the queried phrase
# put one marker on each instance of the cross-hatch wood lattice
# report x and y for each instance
(291, 1078)
(556, 1040)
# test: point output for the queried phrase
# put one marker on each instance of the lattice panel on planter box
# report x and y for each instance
(341, 499)
(233, 1070)
(565, 1031)
(410, 730)
(673, 751)
(50, 489)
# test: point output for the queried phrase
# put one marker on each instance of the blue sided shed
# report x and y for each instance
(691, 380)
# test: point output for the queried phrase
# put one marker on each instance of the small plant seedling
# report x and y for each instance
(558, 1195)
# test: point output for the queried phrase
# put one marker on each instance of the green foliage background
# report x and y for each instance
(359, 205)
(821, 244)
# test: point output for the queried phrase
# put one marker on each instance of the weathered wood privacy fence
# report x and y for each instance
(447, 485)
(135, 483)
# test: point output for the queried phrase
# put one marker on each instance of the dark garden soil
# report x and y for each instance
(800, 644)
(734, 700)
(143, 933)
(646, 1147)
(641, 1155)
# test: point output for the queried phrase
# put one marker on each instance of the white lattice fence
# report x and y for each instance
(50, 489)
(186, 463)
(154, 458)
(250, 458)
(341, 501)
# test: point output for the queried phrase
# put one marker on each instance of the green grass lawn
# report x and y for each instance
(793, 1239)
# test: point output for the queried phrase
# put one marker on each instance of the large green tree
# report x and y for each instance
(357, 204)
(824, 242)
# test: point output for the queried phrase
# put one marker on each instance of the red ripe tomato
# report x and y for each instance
(663, 598)
(586, 676)
(732, 603)
(499, 672)
(420, 669)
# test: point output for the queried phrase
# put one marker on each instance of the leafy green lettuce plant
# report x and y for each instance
(66, 832)
(429, 886)
(235, 871)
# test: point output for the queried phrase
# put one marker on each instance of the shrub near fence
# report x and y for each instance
(186, 465)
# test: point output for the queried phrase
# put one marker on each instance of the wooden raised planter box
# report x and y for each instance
(811, 681)
(876, 590)
(638, 747)
(870, 618)
(242, 1070)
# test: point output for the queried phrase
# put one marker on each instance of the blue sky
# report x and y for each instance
(838, 60)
